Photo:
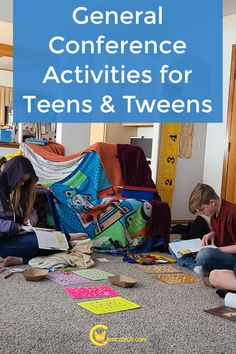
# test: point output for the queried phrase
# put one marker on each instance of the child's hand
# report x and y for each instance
(208, 239)
(26, 222)
(78, 236)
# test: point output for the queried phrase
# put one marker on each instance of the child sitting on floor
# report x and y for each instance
(223, 278)
(17, 182)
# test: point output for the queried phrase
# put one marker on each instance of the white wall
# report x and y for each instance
(189, 172)
(6, 78)
(215, 141)
(216, 133)
(6, 32)
(5, 151)
(6, 10)
(74, 136)
(6, 36)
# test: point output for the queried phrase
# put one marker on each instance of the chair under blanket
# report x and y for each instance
(136, 172)
(87, 201)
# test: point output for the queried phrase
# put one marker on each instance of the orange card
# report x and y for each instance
(176, 278)
(158, 269)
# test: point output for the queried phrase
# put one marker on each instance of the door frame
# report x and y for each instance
(229, 121)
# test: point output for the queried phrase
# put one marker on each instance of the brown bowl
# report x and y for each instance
(35, 274)
(123, 280)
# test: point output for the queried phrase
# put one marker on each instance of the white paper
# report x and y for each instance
(230, 300)
(103, 260)
(16, 270)
(194, 245)
(51, 239)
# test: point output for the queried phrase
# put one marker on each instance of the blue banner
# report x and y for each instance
(118, 61)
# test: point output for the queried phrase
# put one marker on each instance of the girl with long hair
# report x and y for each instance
(17, 194)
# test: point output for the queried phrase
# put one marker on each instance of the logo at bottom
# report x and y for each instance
(98, 336)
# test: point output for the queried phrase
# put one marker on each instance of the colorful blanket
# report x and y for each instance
(85, 203)
(49, 172)
(48, 158)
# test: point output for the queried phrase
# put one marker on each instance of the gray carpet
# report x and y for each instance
(40, 318)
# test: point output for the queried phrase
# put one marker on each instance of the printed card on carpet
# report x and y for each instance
(93, 274)
(158, 269)
(91, 292)
(64, 278)
(110, 305)
(176, 278)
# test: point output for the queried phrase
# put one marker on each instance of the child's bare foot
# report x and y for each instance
(12, 261)
(78, 236)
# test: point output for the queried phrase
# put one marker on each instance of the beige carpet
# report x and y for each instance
(41, 318)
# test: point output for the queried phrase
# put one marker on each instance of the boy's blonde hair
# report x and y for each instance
(202, 194)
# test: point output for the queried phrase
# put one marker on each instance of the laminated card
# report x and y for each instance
(91, 292)
(114, 304)
(176, 278)
(158, 269)
(67, 278)
(93, 274)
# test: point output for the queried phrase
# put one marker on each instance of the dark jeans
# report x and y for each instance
(212, 258)
(24, 246)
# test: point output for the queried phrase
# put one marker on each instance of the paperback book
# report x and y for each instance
(51, 239)
(228, 311)
(181, 248)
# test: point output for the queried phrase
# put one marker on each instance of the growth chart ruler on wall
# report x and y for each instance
(168, 154)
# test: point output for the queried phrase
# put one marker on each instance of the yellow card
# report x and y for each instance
(158, 269)
(114, 304)
(160, 256)
(185, 251)
(176, 278)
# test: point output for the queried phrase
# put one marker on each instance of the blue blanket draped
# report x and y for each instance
(85, 203)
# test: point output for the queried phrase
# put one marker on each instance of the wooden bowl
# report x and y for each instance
(122, 280)
(35, 274)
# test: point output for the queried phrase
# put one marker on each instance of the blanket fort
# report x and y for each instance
(85, 203)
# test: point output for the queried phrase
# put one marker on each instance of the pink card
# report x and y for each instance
(66, 279)
(91, 292)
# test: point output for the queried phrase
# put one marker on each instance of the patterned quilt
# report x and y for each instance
(85, 203)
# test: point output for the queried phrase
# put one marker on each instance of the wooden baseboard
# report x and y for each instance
(9, 145)
(180, 221)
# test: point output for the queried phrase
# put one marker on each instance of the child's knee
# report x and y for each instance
(214, 277)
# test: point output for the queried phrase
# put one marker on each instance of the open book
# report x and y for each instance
(51, 239)
(228, 311)
(180, 248)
